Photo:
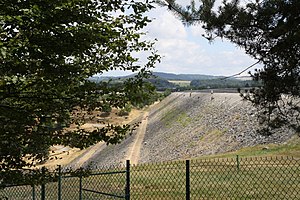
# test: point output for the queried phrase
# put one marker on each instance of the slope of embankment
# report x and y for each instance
(187, 125)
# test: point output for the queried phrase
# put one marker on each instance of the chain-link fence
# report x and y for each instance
(238, 178)
(234, 178)
(107, 182)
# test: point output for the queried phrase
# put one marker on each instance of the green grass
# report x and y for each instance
(176, 116)
(256, 178)
(211, 135)
(291, 149)
(70, 186)
(180, 83)
(183, 119)
(265, 176)
(252, 178)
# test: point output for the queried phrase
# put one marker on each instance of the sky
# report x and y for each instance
(185, 51)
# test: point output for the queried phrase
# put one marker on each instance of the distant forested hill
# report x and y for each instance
(161, 75)
(162, 80)
(223, 83)
(162, 84)
(183, 77)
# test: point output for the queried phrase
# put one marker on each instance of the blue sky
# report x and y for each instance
(184, 50)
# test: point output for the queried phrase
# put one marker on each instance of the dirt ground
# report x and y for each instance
(133, 153)
(62, 155)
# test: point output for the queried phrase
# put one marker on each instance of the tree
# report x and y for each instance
(48, 50)
(269, 31)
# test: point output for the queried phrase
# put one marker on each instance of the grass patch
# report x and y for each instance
(173, 116)
(212, 135)
(255, 178)
(252, 178)
(183, 119)
(290, 148)
(180, 83)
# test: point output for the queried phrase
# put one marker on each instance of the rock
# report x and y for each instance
(265, 148)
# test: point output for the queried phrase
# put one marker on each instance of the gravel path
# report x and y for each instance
(84, 159)
(133, 153)
(101, 154)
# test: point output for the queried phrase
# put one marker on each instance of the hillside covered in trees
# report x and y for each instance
(223, 83)
(163, 81)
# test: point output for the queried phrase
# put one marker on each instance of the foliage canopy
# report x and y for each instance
(48, 50)
(269, 31)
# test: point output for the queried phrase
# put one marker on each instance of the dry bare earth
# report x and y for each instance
(73, 157)
(108, 155)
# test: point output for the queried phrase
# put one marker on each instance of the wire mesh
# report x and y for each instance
(105, 184)
(24, 192)
(248, 178)
(236, 178)
(158, 181)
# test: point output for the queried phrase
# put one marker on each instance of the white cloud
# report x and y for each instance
(184, 50)
(165, 25)
(197, 31)
(180, 55)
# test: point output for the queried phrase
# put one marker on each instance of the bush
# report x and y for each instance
(125, 111)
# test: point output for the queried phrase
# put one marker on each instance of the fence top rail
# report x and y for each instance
(104, 193)
(14, 185)
(96, 173)
(223, 161)
(247, 158)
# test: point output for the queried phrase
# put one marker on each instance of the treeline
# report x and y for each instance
(223, 83)
(162, 84)
(146, 97)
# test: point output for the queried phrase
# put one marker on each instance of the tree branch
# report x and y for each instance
(241, 71)
(172, 6)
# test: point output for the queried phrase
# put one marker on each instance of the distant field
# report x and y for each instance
(180, 83)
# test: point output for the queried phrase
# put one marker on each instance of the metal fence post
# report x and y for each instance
(127, 187)
(80, 187)
(33, 192)
(43, 187)
(237, 162)
(187, 180)
(59, 182)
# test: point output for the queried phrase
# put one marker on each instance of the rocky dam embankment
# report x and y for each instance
(187, 125)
